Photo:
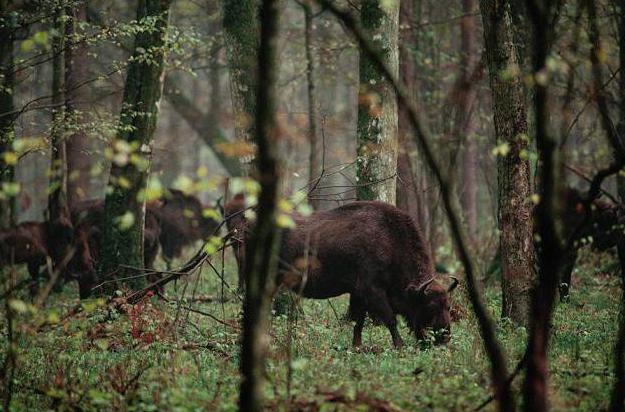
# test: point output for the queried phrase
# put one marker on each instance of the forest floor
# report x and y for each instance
(160, 356)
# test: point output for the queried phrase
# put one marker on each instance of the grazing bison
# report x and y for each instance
(88, 217)
(182, 223)
(370, 250)
(603, 231)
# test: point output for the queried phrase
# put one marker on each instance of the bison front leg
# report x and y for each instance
(358, 314)
(379, 307)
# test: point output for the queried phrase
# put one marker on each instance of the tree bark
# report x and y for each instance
(513, 169)
(263, 246)
(621, 90)
(464, 120)
(377, 105)
(7, 134)
(76, 97)
(240, 24)
(315, 168)
(407, 197)
(57, 198)
(122, 234)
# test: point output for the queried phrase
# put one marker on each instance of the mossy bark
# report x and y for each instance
(122, 239)
(241, 38)
(513, 168)
(7, 83)
(621, 121)
(377, 105)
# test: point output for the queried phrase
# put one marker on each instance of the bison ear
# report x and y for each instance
(420, 289)
(454, 284)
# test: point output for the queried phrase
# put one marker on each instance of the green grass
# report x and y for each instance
(93, 360)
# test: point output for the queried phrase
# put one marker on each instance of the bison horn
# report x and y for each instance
(454, 284)
(421, 288)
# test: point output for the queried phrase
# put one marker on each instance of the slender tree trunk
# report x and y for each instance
(621, 121)
(316, 152)
(76, 96)
(464, 121)
(263, 246)
(124, 217)
(240, 24)
(513, 169)
(7, 84)
(57, 198)
(377, 105)
(407, 197)
(617, 403)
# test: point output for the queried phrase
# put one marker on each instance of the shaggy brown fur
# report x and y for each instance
(182, 223)
(370, 250)
(25, 244)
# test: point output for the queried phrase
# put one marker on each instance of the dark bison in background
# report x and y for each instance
(33, 243)
(88, 217)
(370, 250)
(25, 244)
(603, 231)
(182, 222)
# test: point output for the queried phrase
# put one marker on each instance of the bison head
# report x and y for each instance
(429, 309)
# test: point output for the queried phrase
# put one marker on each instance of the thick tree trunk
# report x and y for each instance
(464, 120)
(124, 217)
(7, 83)
(57, 198)
(377, 105)
(407, 197)
(513, 169)
(263, 245)
(76, 97)
(240, 24)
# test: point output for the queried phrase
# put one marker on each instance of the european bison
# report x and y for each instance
(32, 243)
(182, 223)
(25, 244)
(88, 217)
(603, 231)
(370, 250)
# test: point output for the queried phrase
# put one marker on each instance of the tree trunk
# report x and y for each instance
(124, 217)
(7, 83)
(406, 196)
(76, 96)
(240, 24)
(57, 198)
(513, 169)
(377, 105)
(464, 120)
(315, 167)
(617, 403)
(263, 246)
(621, 94)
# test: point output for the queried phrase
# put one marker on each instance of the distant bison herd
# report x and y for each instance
(370, 250)
(172, 223)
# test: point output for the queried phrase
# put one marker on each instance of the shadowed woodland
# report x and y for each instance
(311, 205)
